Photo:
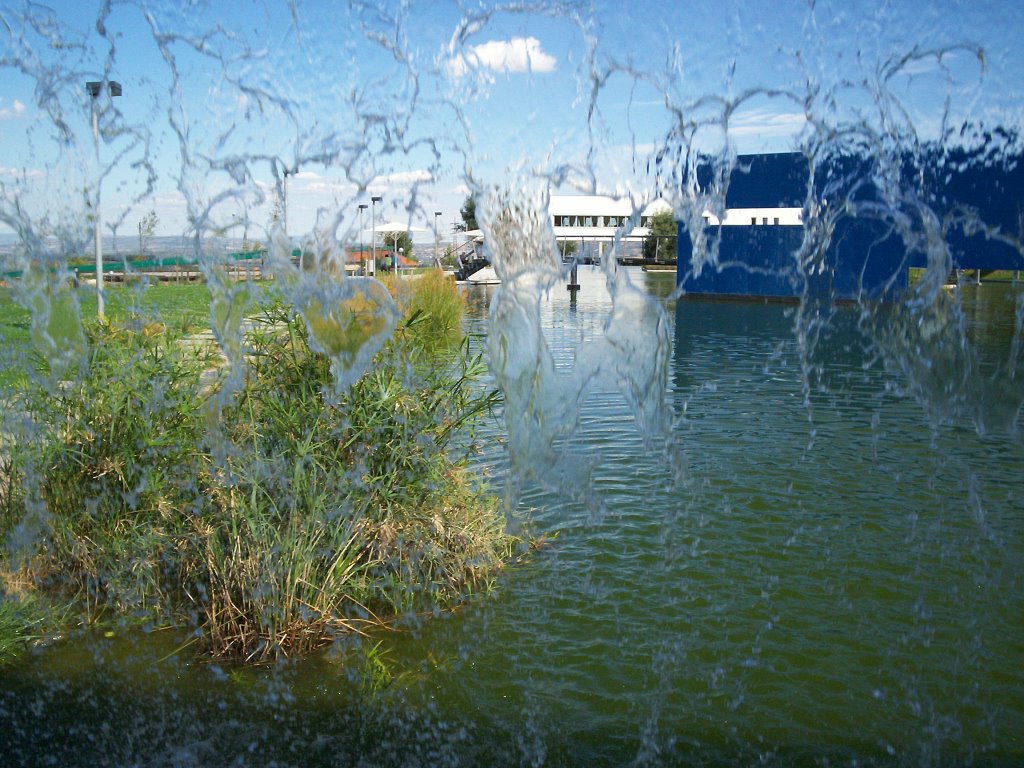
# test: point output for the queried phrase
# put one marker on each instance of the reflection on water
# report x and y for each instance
(838, 580)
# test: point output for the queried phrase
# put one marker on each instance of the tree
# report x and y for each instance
(147, 226)
(468, 213)
(566, 248)
(448, 258)
(660, 244)
(276, 212)
(396, 241)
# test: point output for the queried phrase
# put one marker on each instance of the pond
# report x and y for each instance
(832, 577)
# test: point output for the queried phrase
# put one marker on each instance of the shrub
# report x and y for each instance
(434, 297)
(113, 464)
(340, 510)
(273, 516)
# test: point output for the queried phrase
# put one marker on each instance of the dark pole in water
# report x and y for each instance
(572, 285)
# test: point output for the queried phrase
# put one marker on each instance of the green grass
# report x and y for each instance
(15, 340)
(184, 307)
(969, 275)
(24, 620)
(174, 304)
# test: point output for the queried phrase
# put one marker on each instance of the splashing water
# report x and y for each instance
(282, 120)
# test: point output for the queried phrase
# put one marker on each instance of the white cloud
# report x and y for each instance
(763, 123)
(520, 54)
(19, 173)
(934, 62)
(401, 179)
(408, 177)
(173, 198)
(16, 110)
(311, 182)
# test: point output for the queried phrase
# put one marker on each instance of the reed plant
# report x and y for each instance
(112, 462)
(340, 511)
(434, 297)
(19, 625)
(271, 517)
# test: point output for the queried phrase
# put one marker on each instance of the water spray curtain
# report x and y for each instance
(304, 127)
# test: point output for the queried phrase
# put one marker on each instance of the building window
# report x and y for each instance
(776, 221)
(753, 220)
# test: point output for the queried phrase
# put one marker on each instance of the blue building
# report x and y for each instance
(853, 230)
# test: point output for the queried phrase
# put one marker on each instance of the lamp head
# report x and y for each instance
(95, 86)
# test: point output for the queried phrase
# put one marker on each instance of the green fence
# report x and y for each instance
(148, 265)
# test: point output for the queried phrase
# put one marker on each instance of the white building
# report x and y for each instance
(595, 218)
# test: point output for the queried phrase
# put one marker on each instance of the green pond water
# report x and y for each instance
(837, 581)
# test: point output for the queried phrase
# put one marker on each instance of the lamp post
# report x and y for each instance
(373, 219)
(437, 241)
(284, 203)
(95, 87)
(362, 266)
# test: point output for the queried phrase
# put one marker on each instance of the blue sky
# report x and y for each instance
(414, 103)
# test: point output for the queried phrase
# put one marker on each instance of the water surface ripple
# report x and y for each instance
(837, 580)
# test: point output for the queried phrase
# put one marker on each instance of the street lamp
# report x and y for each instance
(437, 261)
(284, 204)
(95, 87)
(362, 266)
(373, 219)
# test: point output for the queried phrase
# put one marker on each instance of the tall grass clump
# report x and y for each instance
(341, 510)
(435, 299)
(110, 467)
(271, 517)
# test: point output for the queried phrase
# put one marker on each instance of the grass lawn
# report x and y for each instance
(179, 305)
(969, 275)
(14, 337)
(182, 306)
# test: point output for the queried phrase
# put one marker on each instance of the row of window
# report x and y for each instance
(618, 221)
(753, 220)
(597, 221)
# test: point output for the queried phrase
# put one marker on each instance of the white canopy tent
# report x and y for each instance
(394, 229)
